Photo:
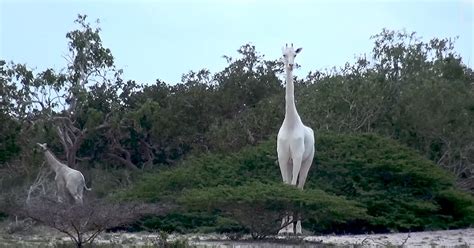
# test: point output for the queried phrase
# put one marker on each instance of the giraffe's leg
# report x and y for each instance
(297, 223)
(298, 229)
(296, 168)
(284, 226)
(289, 171)
(305, 166)
(297, 150)
(77, 199)
(74, 192)
(286, 172)
(284, 163)
(60, 193)
(288, 225)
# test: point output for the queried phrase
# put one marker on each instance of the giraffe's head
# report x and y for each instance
(289, 54)
(43, 146)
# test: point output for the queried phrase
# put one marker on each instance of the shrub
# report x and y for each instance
(82, 222)
(259, 207)
(399, 189)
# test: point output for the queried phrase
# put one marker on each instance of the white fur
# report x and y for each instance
(70, 183)
(295, 142)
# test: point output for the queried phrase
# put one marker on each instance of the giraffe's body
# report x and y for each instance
(70, 183)
(295, 141)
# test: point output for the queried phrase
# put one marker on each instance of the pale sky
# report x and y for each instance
(163, 39)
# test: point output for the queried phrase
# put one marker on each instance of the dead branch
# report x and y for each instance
(126, 161)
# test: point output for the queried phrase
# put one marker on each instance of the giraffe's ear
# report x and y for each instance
(299, 50)
(44, 146)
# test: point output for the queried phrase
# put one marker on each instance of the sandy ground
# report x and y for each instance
(452, 238)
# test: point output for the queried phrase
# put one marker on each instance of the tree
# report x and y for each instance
(246, 81)
(259, 207)
(83, 222)
(417, 92)
(68, 101)
(429, 84)
(89, 63)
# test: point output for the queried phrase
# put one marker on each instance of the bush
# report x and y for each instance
(259, 207)
(398, 189)
(180, 222)
(82, 222)
(457, 207)
(3, 216)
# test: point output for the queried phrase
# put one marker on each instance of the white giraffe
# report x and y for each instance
(69, 182)
(295, 142)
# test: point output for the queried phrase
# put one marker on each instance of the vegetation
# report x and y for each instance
(359, 183)
(82, 223)
(259, 208)
(394, 132)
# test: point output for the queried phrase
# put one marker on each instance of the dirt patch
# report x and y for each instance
(451, 238)
(45, 237)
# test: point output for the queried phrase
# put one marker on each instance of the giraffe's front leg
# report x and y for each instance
(287, 225)
(298, 230)
(60, 195)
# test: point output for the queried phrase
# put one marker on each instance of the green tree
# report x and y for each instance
(417, 92)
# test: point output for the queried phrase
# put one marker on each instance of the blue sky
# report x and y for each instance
(164, 39)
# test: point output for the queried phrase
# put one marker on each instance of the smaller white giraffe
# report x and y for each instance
(295, 141)
(70, 183)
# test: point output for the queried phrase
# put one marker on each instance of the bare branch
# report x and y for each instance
(83, 222)
(405, 240)
(39, 182)
(126, 162)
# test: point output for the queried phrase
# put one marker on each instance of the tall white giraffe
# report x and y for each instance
(70, 183)
(295, 142)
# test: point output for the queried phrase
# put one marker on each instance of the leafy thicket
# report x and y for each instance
(417, 92)
(400, 189)
(259, 208)
(358, 183)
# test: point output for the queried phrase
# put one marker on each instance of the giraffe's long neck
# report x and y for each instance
(290, 111)
(55, 164)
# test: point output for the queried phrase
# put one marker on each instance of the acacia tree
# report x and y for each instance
(89, 65)
(82, 223)
(74, 102)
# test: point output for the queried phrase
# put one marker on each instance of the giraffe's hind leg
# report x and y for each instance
(78, 199)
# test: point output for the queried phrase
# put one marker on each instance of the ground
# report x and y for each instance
(44, 237)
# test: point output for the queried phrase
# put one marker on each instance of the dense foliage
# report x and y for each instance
(359, 183)
(259, 208)
(206, 128)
